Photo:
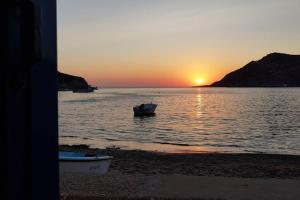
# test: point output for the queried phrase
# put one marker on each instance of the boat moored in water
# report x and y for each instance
(145, 109)
(84, 90)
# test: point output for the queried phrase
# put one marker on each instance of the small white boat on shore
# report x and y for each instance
(144, 109)
(81, 163)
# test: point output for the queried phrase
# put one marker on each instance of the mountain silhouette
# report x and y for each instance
(273, 70)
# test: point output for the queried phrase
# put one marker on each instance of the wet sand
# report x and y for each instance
(138, 174)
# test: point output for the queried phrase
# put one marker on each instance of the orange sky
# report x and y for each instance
(170, 43)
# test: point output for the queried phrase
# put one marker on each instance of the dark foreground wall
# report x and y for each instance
(29, 133)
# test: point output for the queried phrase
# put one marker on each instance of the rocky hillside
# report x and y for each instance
(273, 70)
(70, 82)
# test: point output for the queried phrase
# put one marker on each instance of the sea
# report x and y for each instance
(187, 120)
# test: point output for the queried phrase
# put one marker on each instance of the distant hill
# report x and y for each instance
(70, 82)
(273, 70)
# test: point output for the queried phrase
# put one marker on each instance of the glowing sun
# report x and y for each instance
(199, 81)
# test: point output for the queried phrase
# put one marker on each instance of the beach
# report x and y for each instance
(137, 174)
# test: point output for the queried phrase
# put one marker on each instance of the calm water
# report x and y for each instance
(207, 119)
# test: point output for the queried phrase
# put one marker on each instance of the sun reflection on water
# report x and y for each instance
(199, 105)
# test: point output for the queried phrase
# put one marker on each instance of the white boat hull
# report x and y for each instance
(95, 167)
(146, 110)
(80, 163)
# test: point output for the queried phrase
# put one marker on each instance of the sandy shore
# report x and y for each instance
(146, 175)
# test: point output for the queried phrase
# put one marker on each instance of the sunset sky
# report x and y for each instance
(170, 43)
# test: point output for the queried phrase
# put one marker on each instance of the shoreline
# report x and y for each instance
(168, 148)
(93, 149)
(241, 165)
